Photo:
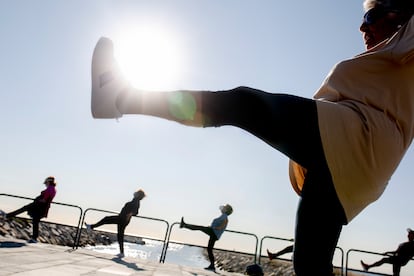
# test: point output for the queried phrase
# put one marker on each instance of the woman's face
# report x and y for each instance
(378, 24)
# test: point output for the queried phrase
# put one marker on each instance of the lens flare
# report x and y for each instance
(149, 58)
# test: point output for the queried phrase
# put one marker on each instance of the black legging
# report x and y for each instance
(35, 214)
(212, 240)
(120, 222)
(290, 124)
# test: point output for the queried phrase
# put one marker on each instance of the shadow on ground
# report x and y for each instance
(129, 265)
(11, 244)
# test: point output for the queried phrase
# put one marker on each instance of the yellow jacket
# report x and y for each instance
(366, 120)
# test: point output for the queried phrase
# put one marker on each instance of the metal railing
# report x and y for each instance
(342, 259)
(366, 252)
(78, 233)
(257, 252)
(254, 253)
(54, 203)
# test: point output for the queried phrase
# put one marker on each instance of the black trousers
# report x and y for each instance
(290, 125)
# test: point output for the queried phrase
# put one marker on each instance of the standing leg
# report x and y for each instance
(210, 247)
(319, 221)
(35, 226)
(396, 268)
(121, 233)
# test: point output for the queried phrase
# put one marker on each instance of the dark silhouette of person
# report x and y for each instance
(287, 249)
(122, 219)
(398, 258)
(214, 231)
(39, 208)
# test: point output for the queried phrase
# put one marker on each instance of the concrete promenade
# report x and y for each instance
(17, 257)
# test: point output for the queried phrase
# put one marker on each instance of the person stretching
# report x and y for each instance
(214, 231)
(122, 220)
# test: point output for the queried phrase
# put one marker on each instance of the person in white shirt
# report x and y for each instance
(214, 231)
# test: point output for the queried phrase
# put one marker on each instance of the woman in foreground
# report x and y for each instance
(344, 144)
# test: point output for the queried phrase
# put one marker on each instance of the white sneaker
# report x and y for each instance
(107, 81)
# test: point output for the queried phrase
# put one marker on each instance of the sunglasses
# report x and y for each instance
(372, 15)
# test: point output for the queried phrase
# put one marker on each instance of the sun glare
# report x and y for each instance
(149, 58)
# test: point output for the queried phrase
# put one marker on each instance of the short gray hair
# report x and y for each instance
(397, 5)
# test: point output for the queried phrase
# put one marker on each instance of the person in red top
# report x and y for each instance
(39, 208)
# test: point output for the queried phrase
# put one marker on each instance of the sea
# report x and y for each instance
(150, 250)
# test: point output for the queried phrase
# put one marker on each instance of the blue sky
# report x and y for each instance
(47, 127)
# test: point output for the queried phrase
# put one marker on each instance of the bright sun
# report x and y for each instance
(149, 58)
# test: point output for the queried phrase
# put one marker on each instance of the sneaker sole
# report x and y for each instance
(106, 81)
